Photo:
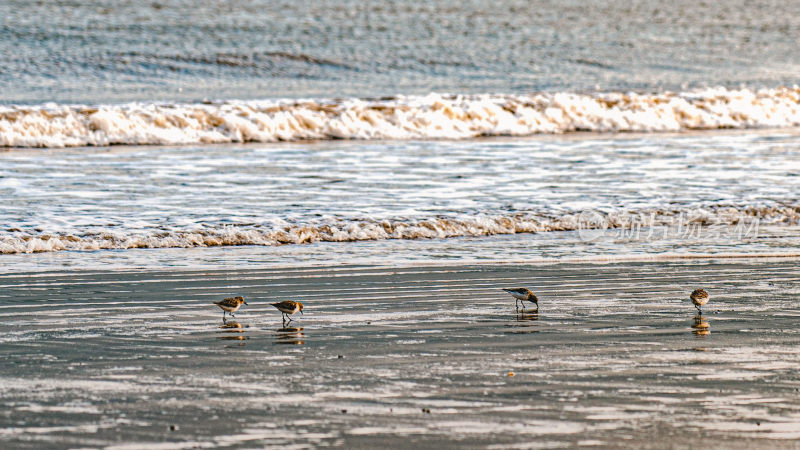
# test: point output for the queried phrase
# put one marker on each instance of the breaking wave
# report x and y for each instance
(714, 219)
(435, 116)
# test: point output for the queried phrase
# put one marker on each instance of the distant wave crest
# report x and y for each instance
(748, 218)
(435, 116)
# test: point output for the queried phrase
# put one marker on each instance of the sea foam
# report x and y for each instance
(745, 221)
(435, 116)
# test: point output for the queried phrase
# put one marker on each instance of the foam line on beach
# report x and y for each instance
(718, 220)
(435, 116)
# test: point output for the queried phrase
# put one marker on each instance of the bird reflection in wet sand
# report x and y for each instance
(521, 295)
(232, 331)
(700, 326)
(230, 305)
(524, 323)
(526, 316)
(290, 335)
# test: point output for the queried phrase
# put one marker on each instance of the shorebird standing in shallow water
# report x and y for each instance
(521, 295)
(288, 307)
(699, 298)
(230, 305)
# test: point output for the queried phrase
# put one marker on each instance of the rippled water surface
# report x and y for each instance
(107, 51)
(87, 199)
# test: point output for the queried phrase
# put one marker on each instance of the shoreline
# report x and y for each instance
(388, 253)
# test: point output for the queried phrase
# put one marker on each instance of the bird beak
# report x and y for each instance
(245, 303)
(301, 312)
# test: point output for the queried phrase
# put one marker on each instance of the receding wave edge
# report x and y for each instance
(741, 221)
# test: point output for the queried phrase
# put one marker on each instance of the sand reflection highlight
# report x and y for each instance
(290, 335)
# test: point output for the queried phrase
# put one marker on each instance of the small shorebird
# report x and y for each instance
(230, 305)
(522, 294)
(699, 298)
(288, 307)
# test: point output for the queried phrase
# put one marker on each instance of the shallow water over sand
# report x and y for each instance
(269, 194)
(615, 357)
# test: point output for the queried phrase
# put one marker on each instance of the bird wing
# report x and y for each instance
(286, 305)
(519, 294)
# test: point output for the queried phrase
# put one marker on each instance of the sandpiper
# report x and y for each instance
(288, 307)
(522, 294)
(699, 298)
(230, 305)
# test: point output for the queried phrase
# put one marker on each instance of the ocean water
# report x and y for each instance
(734, 192)
(105, 51)
(159, 125)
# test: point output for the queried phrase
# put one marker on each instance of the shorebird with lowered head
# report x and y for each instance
(230, 305)
(699, 298)
(288, 307)
(521, 295)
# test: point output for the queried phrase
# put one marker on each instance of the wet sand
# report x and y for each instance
(404, 357)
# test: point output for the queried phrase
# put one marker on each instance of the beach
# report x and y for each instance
(418, 355)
